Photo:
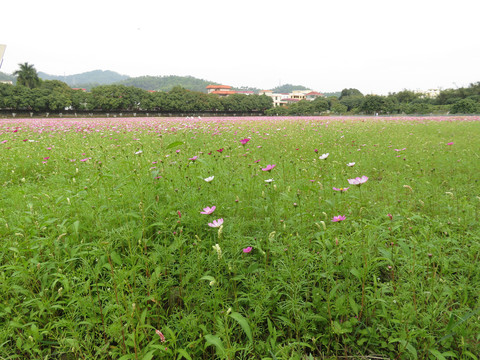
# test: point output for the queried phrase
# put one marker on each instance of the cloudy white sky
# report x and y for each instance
(376, 46)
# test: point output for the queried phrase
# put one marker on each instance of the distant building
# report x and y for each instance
(312, 95)
(6, 82)
(220, 90)
(430, 93)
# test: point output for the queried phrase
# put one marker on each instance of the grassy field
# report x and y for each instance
(225, 238)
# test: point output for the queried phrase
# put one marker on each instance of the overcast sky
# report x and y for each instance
(376, 46)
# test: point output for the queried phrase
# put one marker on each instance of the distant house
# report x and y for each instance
(220, 90)
(312, 95)
(278, 99)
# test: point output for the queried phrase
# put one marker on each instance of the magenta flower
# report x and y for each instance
(247, 249)
(340, 189)
(450, 143)
(358, 180)
(220, 150)
(244, 141)
(193, 158)
(268, 167)
(208, 210)
(159, 333)
(216, 223)
(338, 218)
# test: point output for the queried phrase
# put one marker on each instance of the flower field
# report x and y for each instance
(240, 238)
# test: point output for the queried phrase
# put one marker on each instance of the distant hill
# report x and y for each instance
(95, 77)
(288, 88)
(90, 79)
(166, 83)
(6, 77)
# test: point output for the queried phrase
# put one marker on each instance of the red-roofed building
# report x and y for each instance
(223, 92)
(313, 95)
(215, 88)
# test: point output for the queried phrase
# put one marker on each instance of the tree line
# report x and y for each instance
(36, 95)
(352, 102)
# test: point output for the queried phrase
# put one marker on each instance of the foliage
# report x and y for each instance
(27, 76)
(106, 255)
(288, 88)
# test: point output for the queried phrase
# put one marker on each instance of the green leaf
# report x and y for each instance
(215, 341)
(174, 144)
(183, 354)
(437, 354)
(149, 355)
(243, 323)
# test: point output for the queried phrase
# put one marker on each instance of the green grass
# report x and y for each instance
(99, 254)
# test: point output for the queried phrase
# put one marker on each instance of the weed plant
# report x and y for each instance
(106, 255)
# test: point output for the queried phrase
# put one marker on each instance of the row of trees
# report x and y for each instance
(352, 101)
(55, 96)
(33, 94)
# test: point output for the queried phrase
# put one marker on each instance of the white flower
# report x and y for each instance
(324, 156)
(351, 164)
(210, 178)
(269, 180)
(138, 152)
(218, 250)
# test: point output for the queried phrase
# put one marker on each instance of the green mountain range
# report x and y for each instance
(90, 79)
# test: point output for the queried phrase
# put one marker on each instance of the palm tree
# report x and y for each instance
(27, 76)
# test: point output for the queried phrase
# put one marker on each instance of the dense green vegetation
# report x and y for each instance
(108, 249)
(33, 94)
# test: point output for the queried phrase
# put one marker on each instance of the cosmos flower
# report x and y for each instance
(216, 223)
(450, 143)
(193, 158)
(324, 156)
(338, 218)
(247, 249)
(358, 180)
(208, 210)
(244, 141)
(268, 167)
(210, 178)
(269, 180)
(340, 189)
(351, 164)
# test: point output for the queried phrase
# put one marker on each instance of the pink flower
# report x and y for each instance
(220, 150)
(450, 143)
(193, 158)
(159, 333)
(338, 218)
(208, 210)
(216, 223)
(244, 141)
(269, 167)
(358, 180)
(247, 249)
(390, 216)
(179, 214)
(340, 189)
